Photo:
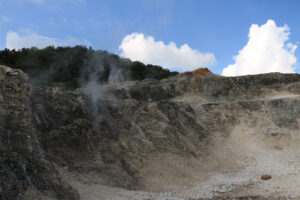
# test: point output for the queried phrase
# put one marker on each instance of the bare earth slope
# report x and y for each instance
(180, 138)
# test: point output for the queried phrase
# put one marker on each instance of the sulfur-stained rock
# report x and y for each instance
(197, 73)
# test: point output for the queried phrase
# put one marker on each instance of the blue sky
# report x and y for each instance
(218, 27)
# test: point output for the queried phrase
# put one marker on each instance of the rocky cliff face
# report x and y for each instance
(22, 162)
(184, 137)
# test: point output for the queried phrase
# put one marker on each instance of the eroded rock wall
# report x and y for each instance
(22, 163)
(212, 132)
(175, 133)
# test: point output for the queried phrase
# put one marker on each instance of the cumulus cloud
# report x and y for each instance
(267, 50)
(137, 47)
(15, 40)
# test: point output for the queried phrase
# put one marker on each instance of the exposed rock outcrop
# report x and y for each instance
(198, 137)
(22, 163)
(132, 135)
(197, 73)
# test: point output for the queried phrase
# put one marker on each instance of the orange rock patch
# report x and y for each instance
(266, 177)
(197, 72)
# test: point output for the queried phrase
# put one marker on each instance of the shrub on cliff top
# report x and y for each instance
(74, 66)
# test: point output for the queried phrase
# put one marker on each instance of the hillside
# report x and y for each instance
(184, 137)
(73, 67)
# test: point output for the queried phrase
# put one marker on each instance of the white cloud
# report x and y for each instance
(16, 41)
(145, 49)
(267, 50)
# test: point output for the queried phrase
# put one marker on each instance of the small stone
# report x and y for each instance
(12, 72)
(266, 177)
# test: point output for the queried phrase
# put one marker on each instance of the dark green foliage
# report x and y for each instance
(76, 66)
